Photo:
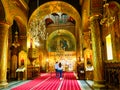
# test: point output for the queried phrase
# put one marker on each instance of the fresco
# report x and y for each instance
(61, 43)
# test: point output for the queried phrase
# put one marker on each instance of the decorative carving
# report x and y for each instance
(32, 54)
(108, 18)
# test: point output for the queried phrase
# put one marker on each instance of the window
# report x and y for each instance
(109, 47)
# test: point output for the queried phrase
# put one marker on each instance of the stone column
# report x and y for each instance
(97, 56)
(81, 44)
(3, 53)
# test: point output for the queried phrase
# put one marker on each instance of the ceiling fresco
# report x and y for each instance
(56, 7)
(61, 39)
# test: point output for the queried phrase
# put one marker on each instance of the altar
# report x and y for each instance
(68, 60)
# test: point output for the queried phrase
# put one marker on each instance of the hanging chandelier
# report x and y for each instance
(16, 44)
(38, 29)
(108, 18)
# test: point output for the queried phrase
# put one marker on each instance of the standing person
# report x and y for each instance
(60, 69)
(56, 69)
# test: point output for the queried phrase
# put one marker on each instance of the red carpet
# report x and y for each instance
(31, 84)
(70, 82)
(48, 82)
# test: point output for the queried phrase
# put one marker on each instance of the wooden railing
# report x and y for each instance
(112, 73)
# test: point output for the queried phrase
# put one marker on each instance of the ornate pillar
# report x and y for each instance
(99, 81)
(78, 41)
(81, 44)
(3, 53)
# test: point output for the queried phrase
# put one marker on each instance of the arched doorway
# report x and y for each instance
(17, 43)
(14, 50)
(48, 9)
(61, 47)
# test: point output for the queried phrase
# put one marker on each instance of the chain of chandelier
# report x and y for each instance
(107, 19)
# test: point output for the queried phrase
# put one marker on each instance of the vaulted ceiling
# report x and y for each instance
(82, 6)
(33, 4)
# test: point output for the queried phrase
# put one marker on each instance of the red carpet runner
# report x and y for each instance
(48, 82)
(70, 82)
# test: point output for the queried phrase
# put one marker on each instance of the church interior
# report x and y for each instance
(81, 34)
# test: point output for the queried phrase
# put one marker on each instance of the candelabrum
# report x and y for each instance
(16, 43)
(108, 18)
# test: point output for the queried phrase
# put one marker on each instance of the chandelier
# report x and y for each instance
(107, 19)
(16, 43)
(37, 28)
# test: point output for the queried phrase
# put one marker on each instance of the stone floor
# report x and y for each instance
(84, 85)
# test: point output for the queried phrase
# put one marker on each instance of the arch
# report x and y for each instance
(2, 14)
(54, 40)
(116, 3)
(11, 14)
(114, 7)
(53, 7)
(22, 26)
(56, 7)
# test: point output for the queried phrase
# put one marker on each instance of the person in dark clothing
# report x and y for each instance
(60, 70)
(56, 69)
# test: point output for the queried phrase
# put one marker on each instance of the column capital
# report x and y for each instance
(4, 24)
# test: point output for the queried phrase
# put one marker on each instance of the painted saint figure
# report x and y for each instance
(63, 44)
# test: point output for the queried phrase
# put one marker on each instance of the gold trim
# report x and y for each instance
(49, 7)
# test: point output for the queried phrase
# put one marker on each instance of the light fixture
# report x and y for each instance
(37, 28)
(16, 43)
(107, 19)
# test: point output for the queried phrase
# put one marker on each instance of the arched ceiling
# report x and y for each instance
(58, 35)
(56, 7)
(22, 28)
(53, 7)
(33, 4)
